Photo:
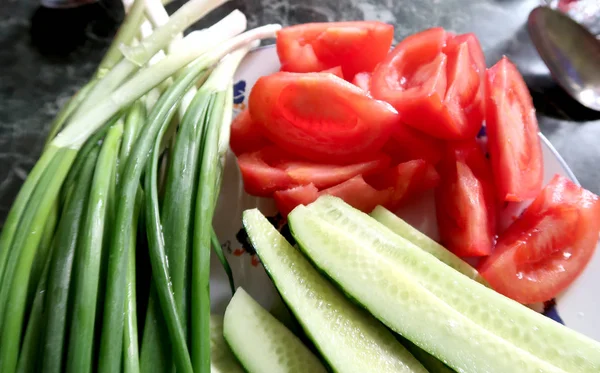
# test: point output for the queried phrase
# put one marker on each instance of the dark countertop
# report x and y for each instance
(34, 87)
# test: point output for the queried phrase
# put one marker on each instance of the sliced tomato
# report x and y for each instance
(358, 194)
(465, 201)
(434, 86)
(407, 180)
(287, 200)
(512, 131)
(246, 136)
(320, 116)
(337, 71)
(355, 46)
(355, 191)
(363, 81)
(272, 168)
(548, 246)
(413, 144)
(261, 178)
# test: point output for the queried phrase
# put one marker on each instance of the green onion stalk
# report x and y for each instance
(34, 202)
(217, 87)
(111, 341)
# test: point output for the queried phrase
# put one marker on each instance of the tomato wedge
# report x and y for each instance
(465, 201)
(408, 144)
(246, 136)
(363, 81)
(359, 194)
(435, 86)
(337, 71)
(355, 46)
(287, 200)
(512, 131)
(320, 116)
(548, 247)
(407, 181)
(272, 168)
(355, 191)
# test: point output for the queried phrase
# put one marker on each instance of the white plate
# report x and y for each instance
(578, 307)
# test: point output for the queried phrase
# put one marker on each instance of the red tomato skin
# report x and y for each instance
(347, 126)
(435, 86)
(362, 81)
(260, 178)
(287, 200)
(407, 180)
(548, 246)
(337, 71)
(355, 46)
(465, 201)
(413, 144)
(246, 136)
(360, 195)
(272, 168)
(514, 146)
(327, 175)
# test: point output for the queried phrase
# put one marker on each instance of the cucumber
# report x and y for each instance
(469, 327)
(413, 235)
(261, 342)
(349, 338)
(328, 205)
(222, 360)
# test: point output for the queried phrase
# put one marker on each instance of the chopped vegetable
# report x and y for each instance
(347, 126)
(465, 201)
(512, 131)
(432, 305)
(548, 246)
(261, 342)
(314, 47)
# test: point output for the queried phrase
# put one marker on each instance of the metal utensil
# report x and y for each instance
(571, 53)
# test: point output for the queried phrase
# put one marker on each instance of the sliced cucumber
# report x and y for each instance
(261, 342)
(464, 324)
(222, 360)
(333, 206)
(408, 232)
(496, 313)
(349, 338)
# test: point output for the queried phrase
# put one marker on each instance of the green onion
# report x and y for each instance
(59, 279)
(217, 86)
(224, 263)
(89, 254)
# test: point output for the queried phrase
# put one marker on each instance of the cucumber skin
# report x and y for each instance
(490, 363)
(416, 366)
(563, 347)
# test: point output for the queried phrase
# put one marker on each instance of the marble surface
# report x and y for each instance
(34, 87)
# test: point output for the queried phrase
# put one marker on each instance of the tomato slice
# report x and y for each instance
(320, 116)
(355, 191)
(408, 144)
(271, 169)
(512, 131)
(465, 201)
(363, 81)
(337, 71)
(434, 86)
(407, 181)
(287, 200)
(360, 195)
(246, 136)
(260, 178)
(355, 46)
(548, 246)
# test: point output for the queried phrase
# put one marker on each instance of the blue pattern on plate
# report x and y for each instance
(552, 313)
(482, 132)
(239, 90)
